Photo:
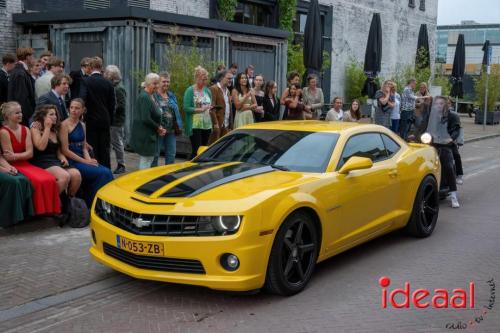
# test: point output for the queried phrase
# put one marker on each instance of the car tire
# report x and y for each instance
(425, 209)
(293, 255)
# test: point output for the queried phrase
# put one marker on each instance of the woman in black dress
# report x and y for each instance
(259, 97)
(271, 104)
(47, 154)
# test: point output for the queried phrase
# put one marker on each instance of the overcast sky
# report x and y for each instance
(455, 11)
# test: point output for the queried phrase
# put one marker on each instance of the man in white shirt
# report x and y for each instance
(335, 114)
(42, 84)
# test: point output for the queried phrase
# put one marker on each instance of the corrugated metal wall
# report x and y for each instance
(126, 44)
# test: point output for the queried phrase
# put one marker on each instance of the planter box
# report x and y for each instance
(492, 117)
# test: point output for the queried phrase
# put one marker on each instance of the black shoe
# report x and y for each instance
(119, 169)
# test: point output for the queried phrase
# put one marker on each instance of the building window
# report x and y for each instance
(96, 4)
(3, 3)
(422, 5)
(411, 3)
(255, 13)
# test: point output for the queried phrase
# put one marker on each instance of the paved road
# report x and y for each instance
(49, 284)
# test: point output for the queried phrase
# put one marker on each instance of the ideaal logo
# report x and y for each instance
(421, 298)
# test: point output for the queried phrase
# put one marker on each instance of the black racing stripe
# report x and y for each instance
(214, 178)
(157, 183)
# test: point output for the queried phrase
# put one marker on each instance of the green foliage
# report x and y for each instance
(354, 80)
(296, 59)
(405, 72)
(444, 82)
(226, 9)
(493, 88)
(422, 59)
(287, 15)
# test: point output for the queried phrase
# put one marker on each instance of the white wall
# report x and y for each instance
(8, 29)
(199, 8)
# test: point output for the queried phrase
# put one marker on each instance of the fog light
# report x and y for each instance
(426, 138)
(93, 237)
(229, 261)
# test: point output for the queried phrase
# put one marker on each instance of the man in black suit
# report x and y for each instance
(8, 61)
(60, 87)
(78, 77)
(21, 87)
(100, 102)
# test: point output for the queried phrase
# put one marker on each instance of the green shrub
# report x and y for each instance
(226, 9)
(354, 80)
(444, 82)
(493, 88)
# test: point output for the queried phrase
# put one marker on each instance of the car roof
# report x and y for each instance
(313, 126)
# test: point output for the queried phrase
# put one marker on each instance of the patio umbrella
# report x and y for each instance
(313, 49)
(373, 55)
(458, 70)
(423, 45)
(486, 45)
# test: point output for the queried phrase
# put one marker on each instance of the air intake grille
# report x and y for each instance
(96, 4)
(139, 3)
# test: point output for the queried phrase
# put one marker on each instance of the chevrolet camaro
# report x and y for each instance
(265, 203)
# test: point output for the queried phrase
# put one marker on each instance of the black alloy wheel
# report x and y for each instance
(425, 209)
(293, 255)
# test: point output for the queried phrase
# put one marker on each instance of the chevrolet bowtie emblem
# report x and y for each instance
(139, 222)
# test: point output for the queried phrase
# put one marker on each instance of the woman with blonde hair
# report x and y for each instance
(146, 128)
(198, 111)
(17, 147)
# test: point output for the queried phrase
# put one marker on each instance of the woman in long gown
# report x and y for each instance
(244, 101)
(15, 195)
(74, 147)
(18, 149)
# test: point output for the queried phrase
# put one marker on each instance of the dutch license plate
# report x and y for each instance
(140, 248)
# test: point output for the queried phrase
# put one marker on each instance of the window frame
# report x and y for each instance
(387, 157)
(411, 3)
(387, 152)
(422, 5)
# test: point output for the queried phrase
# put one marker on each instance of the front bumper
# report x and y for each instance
(251, 249)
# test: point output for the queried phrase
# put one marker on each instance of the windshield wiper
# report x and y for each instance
(279, 167)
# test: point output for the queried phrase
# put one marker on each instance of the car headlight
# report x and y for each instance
(426, 138)
(103, 209)
(219, 225)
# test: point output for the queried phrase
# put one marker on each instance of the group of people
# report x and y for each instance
(52, 146)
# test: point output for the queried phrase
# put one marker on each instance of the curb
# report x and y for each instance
(485, 137)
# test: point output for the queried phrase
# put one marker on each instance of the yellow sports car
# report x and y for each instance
(264, 204)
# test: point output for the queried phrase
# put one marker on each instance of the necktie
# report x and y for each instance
(63, 108)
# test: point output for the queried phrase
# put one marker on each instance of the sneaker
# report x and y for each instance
(120, 169)
(460, 180)
(454, 200)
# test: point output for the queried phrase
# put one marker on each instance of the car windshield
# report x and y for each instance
(285, 150)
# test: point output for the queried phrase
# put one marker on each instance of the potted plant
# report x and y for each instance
(492, 117)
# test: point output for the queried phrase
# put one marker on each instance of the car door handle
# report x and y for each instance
(393, 173)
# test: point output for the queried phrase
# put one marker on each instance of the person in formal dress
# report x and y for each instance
(42, 85)
(258, 90)
(47, 151)
(221, 100)
(74, 146)
(147, 128)
(292, 78)
(17, 147)
(35, 70)
(313, 98)
(56, 96)
(234, 70)
(44, 59)
(16, 204)
(250, 71)
(77, 87)
(171, 120)
(244, 100)
(271, 103)
(114, 75)
(21, 88)
(198, 111)
(294, 107)
(100, 101)
(8, 64)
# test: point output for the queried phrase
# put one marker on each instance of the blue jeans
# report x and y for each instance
(405, 123)
(169, 146)
(395, 125)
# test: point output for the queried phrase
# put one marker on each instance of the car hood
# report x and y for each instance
(211, 181)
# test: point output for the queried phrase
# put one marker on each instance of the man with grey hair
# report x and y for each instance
(113, 74)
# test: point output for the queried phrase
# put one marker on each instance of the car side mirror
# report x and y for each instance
(201, 149)
(355, 163)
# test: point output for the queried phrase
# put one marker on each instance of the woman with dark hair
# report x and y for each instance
(354, 113)
(244, 101)
(17, 149)
(47, 153)
(313, 98)
(294, 108)
(259, 97)
(74, 147)
(292, 78)
(271, 103)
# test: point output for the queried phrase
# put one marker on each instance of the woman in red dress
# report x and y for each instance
(15, 140)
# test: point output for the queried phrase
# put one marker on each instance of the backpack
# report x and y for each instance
(78, 213)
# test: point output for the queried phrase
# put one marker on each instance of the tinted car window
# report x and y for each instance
(368, 145)
(295, 150)
(390, 145)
